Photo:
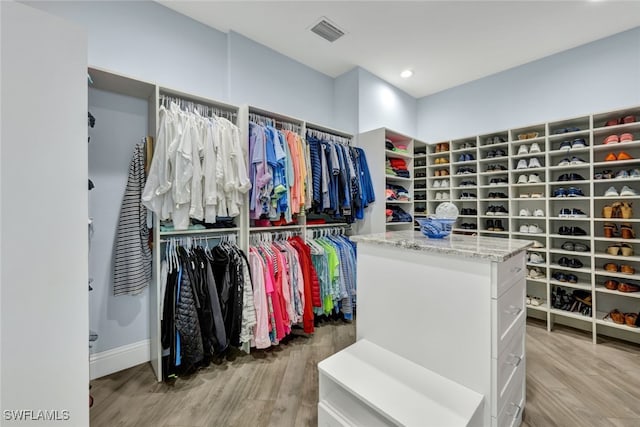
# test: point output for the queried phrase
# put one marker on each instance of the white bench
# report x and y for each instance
(366, 385)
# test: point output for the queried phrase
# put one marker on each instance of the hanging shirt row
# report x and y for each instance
(341, 182)
(198, 169)
(279, 174)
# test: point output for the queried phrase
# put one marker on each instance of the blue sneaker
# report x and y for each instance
(574, 192)
(468, 157)
(622, 174)
(579, 143)
(559, 192)
(462, 158)
(565, 145)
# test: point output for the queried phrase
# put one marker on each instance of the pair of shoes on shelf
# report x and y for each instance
(469, 226)
(468, 196)
(621, 120)
(496, 168)
(535, 273)
(533, 163)
(440, 183)
(570, 177)
(566, 130)
(624, 192)
(534, 301)
(495, 153)
(468, 184)
(575, 144)
(612, 157)
(535, 195)
(524, 149)
(497, 211)
(465, 171)
(442, 195)
(564, 277)
(532, 178)
(494, 140)
(571, 213)
(623, 249)
(618, 210)
(531, 228)
(629, 319)
(570, 192)
(571, 231)
(527, 135)
(466, 157)
(536, 213)
(575, 247)
(615, 268)
(614, 285)
(494, 225)
(468, 211)
(441, 161)
(442, 147)
(613, 139)
(571, 161)
(439, 172)
(535, 258)
(570, 262)
(625, 231)
(499, 181)
(493, 195)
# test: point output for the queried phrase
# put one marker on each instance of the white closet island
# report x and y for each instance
(442, 318)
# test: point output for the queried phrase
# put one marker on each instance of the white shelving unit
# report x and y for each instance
(540, 188)
(378, 154)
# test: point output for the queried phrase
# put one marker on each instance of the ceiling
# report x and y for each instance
(446, 43)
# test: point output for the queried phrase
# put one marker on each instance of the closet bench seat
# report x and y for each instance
(364, 384)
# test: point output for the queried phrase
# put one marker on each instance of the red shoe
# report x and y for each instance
(611, 139)
(626, 137)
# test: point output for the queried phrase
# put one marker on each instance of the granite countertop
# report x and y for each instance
(489, 248)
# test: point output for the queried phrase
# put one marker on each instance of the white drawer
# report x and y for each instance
(507, 273)
(512, 404)
(505, 366)
(329, 417)
(507, 314)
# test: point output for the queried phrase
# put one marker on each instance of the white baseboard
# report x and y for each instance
(117, 359)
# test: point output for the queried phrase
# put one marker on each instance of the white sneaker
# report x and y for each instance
(536, 273)
(534, 163)
(564, 162)
(436, 183)
(444, 183)
(537, 244)
(611, 192)
(536, 258)
(438, 196)
(525, 212)
(535, 229)
(626, 191)
(538, 212)
(523, 150)
(522, 164)
(534, 178)
(524, 228)
(525, 195)
(445, 195)
(537, 195)
(522, 179)
(535, 148)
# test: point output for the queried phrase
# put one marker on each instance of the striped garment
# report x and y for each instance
(132, 269)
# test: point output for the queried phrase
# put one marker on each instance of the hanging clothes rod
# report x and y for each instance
(329, 136)
(270, 121)
(200, 238)
(202, 109)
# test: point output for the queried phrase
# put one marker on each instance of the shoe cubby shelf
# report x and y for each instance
(560, 149)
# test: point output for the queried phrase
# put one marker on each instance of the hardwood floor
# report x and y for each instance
(570, 382)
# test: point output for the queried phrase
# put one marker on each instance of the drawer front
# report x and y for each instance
(507, 273)
(506, 365)
(507, 314)
(513, 402)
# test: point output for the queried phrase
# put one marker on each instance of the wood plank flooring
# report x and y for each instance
(570, 382)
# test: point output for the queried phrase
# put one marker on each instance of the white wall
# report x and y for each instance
(148, 41)
(121, 122)
(599, 76)
(345, 101)
(267, 79)
(381, 104)
(44, 309)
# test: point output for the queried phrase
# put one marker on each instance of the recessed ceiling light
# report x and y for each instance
(406, 73)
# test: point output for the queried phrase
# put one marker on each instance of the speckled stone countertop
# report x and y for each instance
(489, 248)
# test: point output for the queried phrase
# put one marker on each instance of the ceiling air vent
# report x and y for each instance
(327, 30)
